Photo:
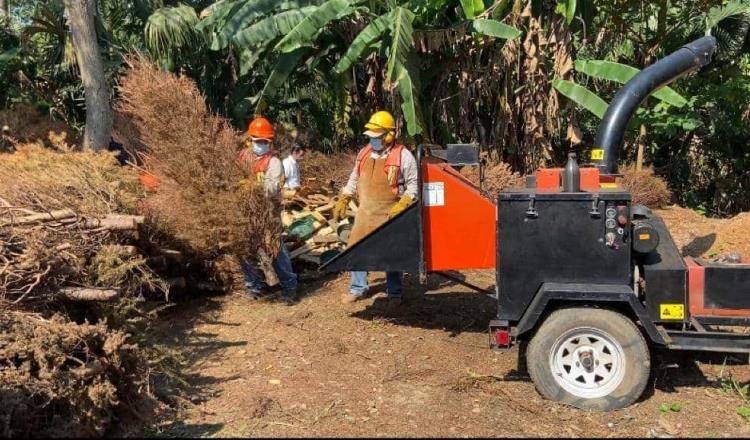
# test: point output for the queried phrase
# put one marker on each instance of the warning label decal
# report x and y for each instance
(672, 311)
(433, 194)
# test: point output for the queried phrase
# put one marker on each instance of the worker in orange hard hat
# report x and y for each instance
(269, 173)
(385, 179)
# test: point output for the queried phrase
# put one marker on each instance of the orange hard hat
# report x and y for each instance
(260, 128)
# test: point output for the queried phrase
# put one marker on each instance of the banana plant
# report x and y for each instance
(610, 71)
(289, 31)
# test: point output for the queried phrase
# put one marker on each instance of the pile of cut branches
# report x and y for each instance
(194, 156)
(61, 214)
(62, 379)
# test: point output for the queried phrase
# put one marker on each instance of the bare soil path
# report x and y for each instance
(324, 369)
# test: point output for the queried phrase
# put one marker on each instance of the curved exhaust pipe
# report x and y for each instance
(688, 58)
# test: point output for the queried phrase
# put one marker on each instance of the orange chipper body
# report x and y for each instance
(458, 221)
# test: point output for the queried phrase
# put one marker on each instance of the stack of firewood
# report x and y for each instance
(314, 204)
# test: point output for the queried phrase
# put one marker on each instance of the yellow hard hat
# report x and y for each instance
(380, 122)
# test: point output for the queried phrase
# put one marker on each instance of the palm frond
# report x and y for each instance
(364, 39)
(271, 28)
(402, 35)
(171, 28)
(284, 66)
(305, 31)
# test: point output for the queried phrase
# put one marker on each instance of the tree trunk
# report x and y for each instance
(641, 147)
(3, 8)
(98, 109)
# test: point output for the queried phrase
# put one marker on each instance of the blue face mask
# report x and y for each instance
(260, 148)
(376, 143)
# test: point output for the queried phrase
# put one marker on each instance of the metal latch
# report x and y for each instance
(595, 207)
(531, 211)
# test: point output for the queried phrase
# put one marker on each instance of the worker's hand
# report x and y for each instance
(342, 205)
(399, 207)
(288, 194)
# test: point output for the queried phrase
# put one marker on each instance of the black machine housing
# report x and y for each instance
(595, 249)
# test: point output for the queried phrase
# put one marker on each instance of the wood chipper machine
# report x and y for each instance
(587, 283)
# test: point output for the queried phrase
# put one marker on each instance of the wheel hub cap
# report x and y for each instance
(587, 362)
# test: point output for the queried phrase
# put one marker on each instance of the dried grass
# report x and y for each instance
(328, 170)
(497, 177)
(646, 187)
(26, 124)
(66, 380)
(195, 155)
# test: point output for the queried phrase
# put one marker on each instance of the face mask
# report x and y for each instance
(260, 148)
(376, 143)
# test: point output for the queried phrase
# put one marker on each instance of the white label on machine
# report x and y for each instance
(433, 194)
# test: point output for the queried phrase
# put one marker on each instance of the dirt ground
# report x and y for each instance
(321, 368)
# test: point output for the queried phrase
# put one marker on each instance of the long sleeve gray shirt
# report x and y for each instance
(408, 183)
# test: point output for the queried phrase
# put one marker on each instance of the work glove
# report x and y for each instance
(288, 194)
(399, 207)
(260, 177)
(342, 205)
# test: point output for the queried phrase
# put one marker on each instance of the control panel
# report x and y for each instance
(616, 219)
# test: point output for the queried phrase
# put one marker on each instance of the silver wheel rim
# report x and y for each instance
(587, 362)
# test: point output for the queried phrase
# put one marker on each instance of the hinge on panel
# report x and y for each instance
(531, 211)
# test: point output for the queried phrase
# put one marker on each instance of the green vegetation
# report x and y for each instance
(527, 79)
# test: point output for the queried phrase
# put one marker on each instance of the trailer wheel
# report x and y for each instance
(592, 359)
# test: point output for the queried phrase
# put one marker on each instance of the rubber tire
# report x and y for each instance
(619, 327)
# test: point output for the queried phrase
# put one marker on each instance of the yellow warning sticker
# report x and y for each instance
(672, 311)
(608, 185)
(597, 154)
(644, 236)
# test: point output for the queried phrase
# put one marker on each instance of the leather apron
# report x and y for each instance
(375, 199)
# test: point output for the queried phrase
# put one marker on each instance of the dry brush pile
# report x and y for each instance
(68, 236)
(66, 224)
(646, 187)
(62, 379)
(194, 156)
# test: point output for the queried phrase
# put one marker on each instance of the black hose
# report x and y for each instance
(687, 59)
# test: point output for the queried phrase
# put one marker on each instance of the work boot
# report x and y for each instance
(255, 294)
(290, 297)
(349, 298)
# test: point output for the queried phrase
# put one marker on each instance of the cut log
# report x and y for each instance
(114, 223)
(89, 294)
(323, 239)
(266, 265)
(300, 251)
(42, 217)
(325, 208)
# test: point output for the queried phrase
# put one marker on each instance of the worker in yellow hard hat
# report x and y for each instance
(385, 179)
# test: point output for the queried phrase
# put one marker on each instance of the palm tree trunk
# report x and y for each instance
(98, 108)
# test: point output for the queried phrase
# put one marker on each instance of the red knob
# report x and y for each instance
(622, 220)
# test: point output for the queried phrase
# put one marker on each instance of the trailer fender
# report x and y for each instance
(587, 294)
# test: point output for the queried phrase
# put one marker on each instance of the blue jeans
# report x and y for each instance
(283, 267)
(394, 284)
